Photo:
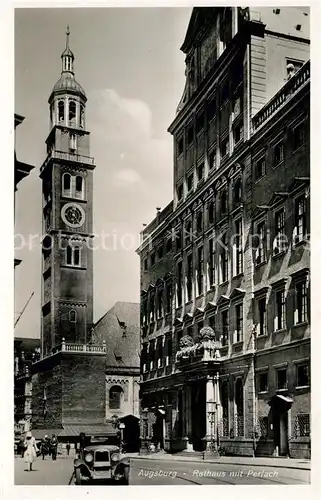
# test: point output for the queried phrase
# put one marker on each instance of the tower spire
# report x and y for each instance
(67, 37)
(67, 56)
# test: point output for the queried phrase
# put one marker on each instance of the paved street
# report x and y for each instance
(46, 472)
(154, 472)
(147, 471)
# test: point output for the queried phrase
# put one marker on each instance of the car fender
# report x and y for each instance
(124, 462)
(79, 463)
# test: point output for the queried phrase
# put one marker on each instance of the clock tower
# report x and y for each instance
(67, 187)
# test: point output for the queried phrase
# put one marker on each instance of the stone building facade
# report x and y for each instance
(225, 266)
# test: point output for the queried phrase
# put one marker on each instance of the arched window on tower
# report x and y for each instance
(61, 111)
(73, 255)
(115, 397)
(79, 187)
(72, 113)
(76, 256)
(82, 116)
(72, 316)
(66, 184)
(69, 255)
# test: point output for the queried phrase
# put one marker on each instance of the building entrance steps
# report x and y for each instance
(289, 463)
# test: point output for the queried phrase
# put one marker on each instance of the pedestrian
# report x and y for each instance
(54, 447)
(21, 446)
(68, 448)
(30, 453)
(48, 445)
(44, 447)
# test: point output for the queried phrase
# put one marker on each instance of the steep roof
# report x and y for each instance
(119, 327)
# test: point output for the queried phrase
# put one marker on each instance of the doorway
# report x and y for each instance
(280, 406)
(158, 430)
(198, 408)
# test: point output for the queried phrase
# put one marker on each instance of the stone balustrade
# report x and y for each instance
(74, 347)
(62, 155)
(283, 95)
(207, 350)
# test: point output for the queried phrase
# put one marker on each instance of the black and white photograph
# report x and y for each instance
(162, 298)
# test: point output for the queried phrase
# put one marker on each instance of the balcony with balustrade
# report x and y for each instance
(75, 348)
(67, 156)
(291, 88)
(202, 353)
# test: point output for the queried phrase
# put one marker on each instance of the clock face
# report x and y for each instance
(73, 215)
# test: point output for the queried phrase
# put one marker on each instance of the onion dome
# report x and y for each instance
(67, 81)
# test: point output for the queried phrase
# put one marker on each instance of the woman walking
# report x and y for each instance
(30, 454)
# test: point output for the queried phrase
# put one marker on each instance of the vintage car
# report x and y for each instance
(100, 462)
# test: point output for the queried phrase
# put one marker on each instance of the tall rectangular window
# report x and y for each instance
(302, 375)
(238, 247)
(180, 146)
(200, 270)
(190, 135)
(224, 148)
(211, 261)
(259, 168)
(238, 133)
(298, 136)
(179, 278)
(281, 379)
(180, 192)
(212, 160)
(300, 219)
(280, 242)
(200, 172)
(168, 296)
(199, 222)
(261, 305)
(160, 299)
(263, 382)
(190, 182)
(224, 261)
(224, 327)
(301, 312)
(189, 277)
(280, 310)
(261, 247)
(278, 153)
(239, 323)
(210, 211)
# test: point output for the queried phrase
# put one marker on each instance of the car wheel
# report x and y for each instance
(126, 476)
(78, 477)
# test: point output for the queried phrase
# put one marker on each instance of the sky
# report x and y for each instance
(129, 63)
